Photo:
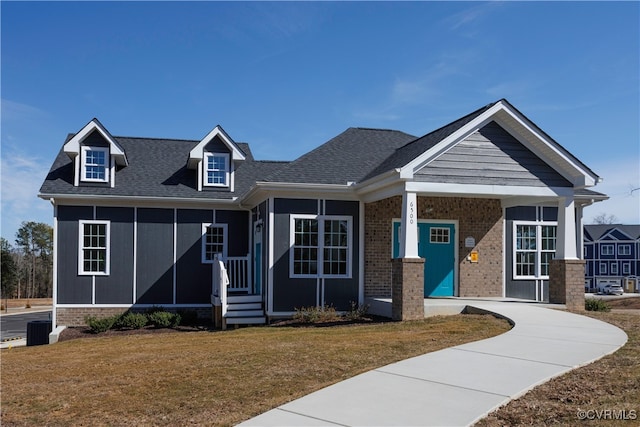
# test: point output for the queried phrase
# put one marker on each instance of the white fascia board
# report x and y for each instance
(528, 134)
(485, 191)
(262, 190)
(407, 171)
(395, 189)
(72, 147)
(197, 153)
(547, 149)
(138, 201)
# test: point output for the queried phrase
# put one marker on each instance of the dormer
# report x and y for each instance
(215, 158)
(95, 154)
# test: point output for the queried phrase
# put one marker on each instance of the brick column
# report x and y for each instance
(407, 286)
(566, 283)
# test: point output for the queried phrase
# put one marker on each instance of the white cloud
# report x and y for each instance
(15, 111)
(470, 15)
(21, 178)
(621, 182)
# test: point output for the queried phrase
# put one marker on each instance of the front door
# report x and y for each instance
(436, 244)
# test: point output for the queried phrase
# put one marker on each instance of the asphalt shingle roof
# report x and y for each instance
(157, 168)
(350, 156)
(596, 231)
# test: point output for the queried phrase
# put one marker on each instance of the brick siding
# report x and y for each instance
(408, 289)
(566, 283)
(478, 218)
(76, 316)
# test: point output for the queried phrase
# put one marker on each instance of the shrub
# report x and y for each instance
(132, 320)
(593, 304)
(164, 319)
(316, 314)
(188, 317)
(100, 324)
(357, 311)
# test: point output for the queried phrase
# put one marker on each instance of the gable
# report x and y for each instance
(490, 156)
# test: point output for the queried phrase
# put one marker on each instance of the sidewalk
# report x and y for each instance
(459, 385)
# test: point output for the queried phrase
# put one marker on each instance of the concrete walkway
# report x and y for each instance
(459, 385)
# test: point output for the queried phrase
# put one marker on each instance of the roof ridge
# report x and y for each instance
(148, 138)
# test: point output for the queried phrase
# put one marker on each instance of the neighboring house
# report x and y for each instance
(612, 252)
(476, 208)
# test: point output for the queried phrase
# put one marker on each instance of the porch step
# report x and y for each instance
(246, 320)
(244, 306)
(233, 299)
(244, 313)
(245, 310)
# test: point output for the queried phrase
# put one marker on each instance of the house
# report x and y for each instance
(612, 254)
(488, 205)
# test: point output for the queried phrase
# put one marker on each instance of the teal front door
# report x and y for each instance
(436, 244)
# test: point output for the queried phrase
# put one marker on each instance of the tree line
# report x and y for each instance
(27, 267)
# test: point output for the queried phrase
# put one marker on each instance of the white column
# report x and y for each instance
(580, 231)
(409, 226)
(566, 240)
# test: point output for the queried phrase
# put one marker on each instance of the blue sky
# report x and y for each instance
(286, 77)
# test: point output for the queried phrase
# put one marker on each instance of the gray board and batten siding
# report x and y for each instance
(491, 156)
(158, 277)
(291, 293)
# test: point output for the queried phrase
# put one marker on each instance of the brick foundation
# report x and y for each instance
(477, 218)
(76, 316)
(566, 283)
(408, 289)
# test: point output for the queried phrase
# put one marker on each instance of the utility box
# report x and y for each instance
(38, 332)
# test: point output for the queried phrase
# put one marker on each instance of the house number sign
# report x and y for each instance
(411, 210)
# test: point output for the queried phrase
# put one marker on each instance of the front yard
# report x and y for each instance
(208, 378)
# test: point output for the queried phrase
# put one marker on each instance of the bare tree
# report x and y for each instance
(604, 218)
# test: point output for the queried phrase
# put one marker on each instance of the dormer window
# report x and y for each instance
(95, 164)
(215, 158)
(216, 170)
(95, 154)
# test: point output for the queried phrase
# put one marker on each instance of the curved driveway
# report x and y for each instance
(459, 385)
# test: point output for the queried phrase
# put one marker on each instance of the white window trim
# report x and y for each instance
(83, 163)
(613, 268)
(603, 268)
(203, 244)
(227, 176)
(81, 270)
(627, 250)
(610, 248)
(321, 247)
(448, 233)
(538, 251)
(626, 268)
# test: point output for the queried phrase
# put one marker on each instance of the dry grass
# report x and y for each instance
(611, 383)
(207, 378)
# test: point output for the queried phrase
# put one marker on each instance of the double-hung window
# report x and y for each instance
(214, 242)
(614, 268)
(534, 247)
(95, 164)
(94, 248)
(216, 169)
(624, 250)
(606, 250)
(321, 246)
